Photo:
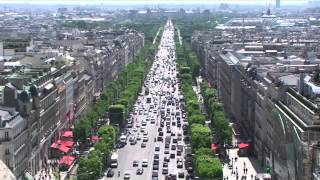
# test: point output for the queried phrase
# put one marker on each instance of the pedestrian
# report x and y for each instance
(251, 176)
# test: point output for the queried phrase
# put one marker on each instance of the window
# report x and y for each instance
(7, 151)
(6, 135)
(8, 162)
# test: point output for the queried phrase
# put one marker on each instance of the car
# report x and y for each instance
(155, 167)
(156, 156)
(139, 171)
(156, 162)
(179, 152)
(168, 130)
(171, 177)
(145, 139)
(138, 137)
(166, 159)
(172, 155)
(173, 147)
(143, 145)
(165, 170)
(145, 163)
(134, 129)
(165, 164)
(157, 148)
(155, 173)
(167, 145)
(135, 163)
(126, 175)
(174, 140)
(145, 133)
(110, 173)
(160, 138)
(181, 175)
(166, 151)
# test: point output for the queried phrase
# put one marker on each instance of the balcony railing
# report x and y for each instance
(5, 139)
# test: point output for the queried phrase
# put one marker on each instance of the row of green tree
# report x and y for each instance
(207, 166)
(91, 167)
(116, 101)
(139, 69)
(216, 113)
(120, 94)
(187, 59)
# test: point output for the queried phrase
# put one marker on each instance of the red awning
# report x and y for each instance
(214, 147)
(244, 146)
(68, 134)
(67, 160)
(54, 145)
(68, 143)
(64, 149)
(94, 138)
(65, 143)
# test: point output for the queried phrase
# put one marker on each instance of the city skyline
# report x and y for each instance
(139, 2)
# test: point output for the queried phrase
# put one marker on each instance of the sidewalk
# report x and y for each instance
(46, 173)
(238, 166)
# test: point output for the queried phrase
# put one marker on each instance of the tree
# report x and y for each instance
(117, 113)
(197, 118)
(200, 136)
(208, 167)
(81, 130)
(204, 151)
(89, 168)
(184, 70)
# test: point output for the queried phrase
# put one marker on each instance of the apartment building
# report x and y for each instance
(268, 85)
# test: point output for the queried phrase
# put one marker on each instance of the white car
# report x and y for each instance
(126, 175)
(145, 133)
(145, 163)
(145, 139)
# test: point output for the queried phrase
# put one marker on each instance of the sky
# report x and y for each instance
(127, 2)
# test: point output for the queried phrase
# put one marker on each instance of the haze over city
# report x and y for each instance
(258, 2)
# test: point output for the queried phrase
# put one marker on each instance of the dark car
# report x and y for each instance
(156, 162)
(181, 175)
(135, 163)
(160, 138)
(165, 170)
(156, 156)
(166, 159)
(110, 173)
(139, 171)
(155, 173)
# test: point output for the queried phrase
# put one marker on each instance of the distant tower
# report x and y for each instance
(277, 3)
